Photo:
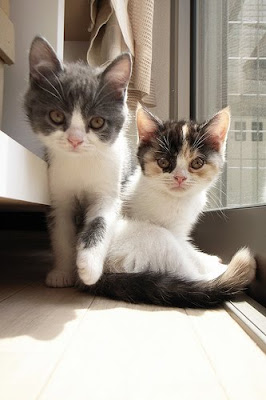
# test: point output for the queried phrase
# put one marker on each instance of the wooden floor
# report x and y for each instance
(61, 344)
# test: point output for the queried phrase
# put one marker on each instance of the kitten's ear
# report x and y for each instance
(43, 59)
(216, 129)
(118, 73)
(147, 124)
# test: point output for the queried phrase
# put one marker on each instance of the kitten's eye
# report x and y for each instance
(57, 117)
(163, 162)
(197, 163)
(97, 122)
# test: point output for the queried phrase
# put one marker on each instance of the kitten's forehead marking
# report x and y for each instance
(185, 130)
(77, 120)
(181, 162)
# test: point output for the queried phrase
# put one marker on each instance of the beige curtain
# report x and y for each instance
(124, 25)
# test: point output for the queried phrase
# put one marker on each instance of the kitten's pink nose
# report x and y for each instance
(75, 141)
(180, 178)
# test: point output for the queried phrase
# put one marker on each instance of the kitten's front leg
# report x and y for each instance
(93, 244)
(62, 233)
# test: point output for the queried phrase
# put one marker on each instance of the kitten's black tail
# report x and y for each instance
(169, 290)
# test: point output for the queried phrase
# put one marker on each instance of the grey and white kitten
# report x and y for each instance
(151, 258)
(79, 112)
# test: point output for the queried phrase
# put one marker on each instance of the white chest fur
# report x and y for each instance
(95, 172)
(177, 214)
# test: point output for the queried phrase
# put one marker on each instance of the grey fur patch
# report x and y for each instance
(81, 205)
(93, 233)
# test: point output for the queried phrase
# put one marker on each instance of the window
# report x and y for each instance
(227, 66)
(257, 136)
(240, 128)
(256, 126)
(231, 70)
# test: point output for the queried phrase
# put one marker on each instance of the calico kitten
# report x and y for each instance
(150, 254)
(78, 112)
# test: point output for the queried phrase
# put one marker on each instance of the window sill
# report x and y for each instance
(251, 316)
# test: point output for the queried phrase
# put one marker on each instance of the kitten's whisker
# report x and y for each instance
(108, 102)
(217, 203)
(100, 91)
(201, 137)
(60, 84)
(167, 140)
(199, 140)
(47, 80)
(98, 99)
(48, 91)
(163, 145)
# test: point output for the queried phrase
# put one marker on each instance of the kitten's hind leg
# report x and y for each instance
(139, 246)
(62, 233)
(207, 266)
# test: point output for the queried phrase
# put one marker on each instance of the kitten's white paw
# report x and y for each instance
(89, 267)
(210, 266)
(216, 260)
(59, 278)
(217, 271)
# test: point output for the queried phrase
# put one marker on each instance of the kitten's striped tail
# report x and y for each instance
(168, 290)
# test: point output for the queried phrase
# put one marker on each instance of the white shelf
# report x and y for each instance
(23, 176)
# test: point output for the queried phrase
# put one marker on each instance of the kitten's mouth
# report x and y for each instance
(75, 149)
(178, 187)
(79, 149)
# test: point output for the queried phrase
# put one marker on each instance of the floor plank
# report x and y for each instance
(238, 362)
(8, 288)
(37, 324)
(24, 259)
(133, 352)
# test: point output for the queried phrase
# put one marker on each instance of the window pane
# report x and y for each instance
(231, 70)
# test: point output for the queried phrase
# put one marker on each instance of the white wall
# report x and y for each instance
(30, 17)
